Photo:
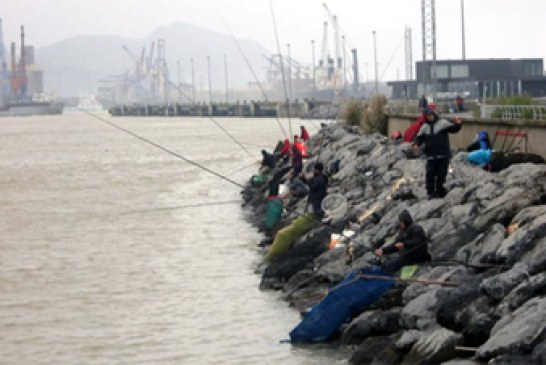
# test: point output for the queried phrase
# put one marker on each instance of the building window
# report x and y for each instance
(459, 71)
(442, 72)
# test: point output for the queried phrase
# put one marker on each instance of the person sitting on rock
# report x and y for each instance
(318, 185)
(434, 135)
(480, 151)
(268, 162)
(482, 142)
(411, 245)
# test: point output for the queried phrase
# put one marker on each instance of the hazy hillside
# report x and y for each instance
(75, 65)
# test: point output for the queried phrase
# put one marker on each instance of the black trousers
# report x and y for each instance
(393, 264)
(436, 172)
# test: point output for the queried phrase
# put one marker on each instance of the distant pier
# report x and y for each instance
(252, 109)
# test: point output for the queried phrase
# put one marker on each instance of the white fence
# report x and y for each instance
(510, 112)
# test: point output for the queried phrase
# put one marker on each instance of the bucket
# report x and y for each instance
(334, 205)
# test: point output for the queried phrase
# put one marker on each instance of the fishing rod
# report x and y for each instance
(253, 74)
(165, 149)
(282, 66)
(214, 121)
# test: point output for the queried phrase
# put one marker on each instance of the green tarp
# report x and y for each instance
(286, 236)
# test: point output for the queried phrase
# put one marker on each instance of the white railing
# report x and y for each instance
(510, 112)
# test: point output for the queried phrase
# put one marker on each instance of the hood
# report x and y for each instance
(405, 217)
(430, 111)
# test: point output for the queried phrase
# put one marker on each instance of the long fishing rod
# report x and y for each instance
(215, 122)
(184, 206)
(246, 60)
(254, 74)
(282, 66)
(165, 149)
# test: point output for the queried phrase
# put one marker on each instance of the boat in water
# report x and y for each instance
(32, 108)
(86, 103)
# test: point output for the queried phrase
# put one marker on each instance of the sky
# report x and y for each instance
(494, 28)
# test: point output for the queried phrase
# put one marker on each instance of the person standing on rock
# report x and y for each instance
(304, 135)
(423, 103)
(411, 245)
(434, 134)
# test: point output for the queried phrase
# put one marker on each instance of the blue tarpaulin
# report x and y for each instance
(344, 301)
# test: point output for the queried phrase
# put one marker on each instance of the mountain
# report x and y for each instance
(75, 66)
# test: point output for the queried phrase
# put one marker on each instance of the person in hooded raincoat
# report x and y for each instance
(434, 134)
(411, 245)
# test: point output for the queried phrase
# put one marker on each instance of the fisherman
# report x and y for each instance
(297, 161)
(285, 150)
(411, 245)
(318, 185)
(413, 129)
(434, 134)
(268, 162)
(304, 134)
(481, 142)
(480, 151)
(300, 146)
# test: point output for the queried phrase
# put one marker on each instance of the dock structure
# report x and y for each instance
(253, 109)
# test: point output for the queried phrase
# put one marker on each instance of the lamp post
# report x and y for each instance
(179, 91)
(193, 80)
(226, 77)
(375, 60)
(314, 69)
(462, 28)
(210, 81)
(289, 74)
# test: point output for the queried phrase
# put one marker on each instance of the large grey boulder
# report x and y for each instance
(504, 207)
(484, 248)
(522, 240)
(434, 348)
(527, 289)
(536, 257)
(419, 313)
(517, 332)
(371, 348)
(371, 323)
(498, 286)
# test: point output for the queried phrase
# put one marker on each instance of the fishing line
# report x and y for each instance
(177, 207)
(253, 74)
(282, 67)
(165, 149)
(215, 122)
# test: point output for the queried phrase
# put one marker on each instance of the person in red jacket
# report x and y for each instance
(285, 148)
(300, 146)
(304, 135)
(413, 129)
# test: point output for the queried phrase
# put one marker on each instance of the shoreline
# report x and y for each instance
(498, 219)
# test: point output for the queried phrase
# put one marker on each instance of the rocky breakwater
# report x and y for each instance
(488, 235)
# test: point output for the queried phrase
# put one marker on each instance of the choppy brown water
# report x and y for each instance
(95, 266)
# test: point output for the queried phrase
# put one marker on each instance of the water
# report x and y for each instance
(99, 266)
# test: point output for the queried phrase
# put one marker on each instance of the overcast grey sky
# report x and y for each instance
(494, 28)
